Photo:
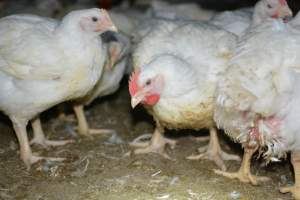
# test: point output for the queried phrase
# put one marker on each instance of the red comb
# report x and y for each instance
(133, 86)
(282, 2)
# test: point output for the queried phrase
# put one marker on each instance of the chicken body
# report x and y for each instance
(233, 21)
(44, 62)
(175, 77)
(257, 103)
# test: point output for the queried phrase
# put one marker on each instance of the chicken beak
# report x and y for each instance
(106, 22)
(112, 28)
(285, 13)
(136, 99)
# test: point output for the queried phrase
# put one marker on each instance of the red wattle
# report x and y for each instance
(275, 16)
(152, 99)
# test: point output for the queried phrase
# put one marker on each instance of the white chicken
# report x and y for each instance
(239, 21)
(44, 62)
(258, 98)
(152, 45)
(176, 84)
(113, 72)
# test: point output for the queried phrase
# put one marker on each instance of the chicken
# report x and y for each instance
(258, 97)
(113, 72)
(239, 21)
(157, 144)
(44, 62)
(177, 85)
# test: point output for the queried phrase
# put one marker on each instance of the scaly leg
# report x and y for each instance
(155, 145)
(25, 150)
(295, 190)
(39, 137)
(214, 152)
(244, 174)
(83, 127)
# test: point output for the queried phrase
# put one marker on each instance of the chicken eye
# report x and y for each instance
(148, 82)
(269, 6)
(94, 19)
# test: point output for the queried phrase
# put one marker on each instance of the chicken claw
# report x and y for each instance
(214, 152)
(156, 145)
(31, 159)
(83, 127)
(295, 190)
(244, 174)
(25, 150)
(39, 137)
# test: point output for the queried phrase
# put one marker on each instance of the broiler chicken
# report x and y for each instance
(175, 78)
(44, 62)
(239, 21)
(258, 98)
(149, 49)
(113, 72)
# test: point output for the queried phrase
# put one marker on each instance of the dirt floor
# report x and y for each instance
(98, 168)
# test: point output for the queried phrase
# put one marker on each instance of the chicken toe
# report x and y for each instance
(83, 127)
(155, 145)
(295, 189)
(25, 150)
(40, 139)
(214, 152)
(244, 174)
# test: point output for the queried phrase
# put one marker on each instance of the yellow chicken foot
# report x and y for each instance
(295, 189)
(83, 127)
(155, 145)
(39, 137)
(25, 150)
(214, 152)
(244, 173)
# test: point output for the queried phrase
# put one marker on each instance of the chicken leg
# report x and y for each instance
(214, 152)
(244, 174)
(25, 150)
(156, 145)
(295, 190)
(83, 127)
(39, 137)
